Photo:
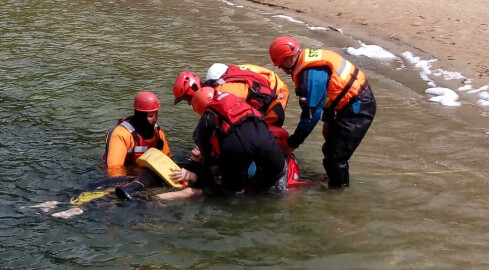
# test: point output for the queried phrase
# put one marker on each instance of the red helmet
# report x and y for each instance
(202, 98)
(146, 102)
(282, 47)
(186, 80)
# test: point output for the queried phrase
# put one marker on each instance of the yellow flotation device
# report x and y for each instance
(161, 164)
(89, 196)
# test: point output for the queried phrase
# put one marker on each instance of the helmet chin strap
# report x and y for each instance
(289, 70)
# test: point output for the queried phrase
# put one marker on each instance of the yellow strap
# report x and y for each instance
(89, 196)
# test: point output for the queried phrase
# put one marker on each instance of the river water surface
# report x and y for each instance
(70, 69)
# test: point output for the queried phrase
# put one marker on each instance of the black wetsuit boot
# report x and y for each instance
(127, 191)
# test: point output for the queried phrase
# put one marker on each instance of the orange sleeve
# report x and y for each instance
(166, 146)
(119, 142)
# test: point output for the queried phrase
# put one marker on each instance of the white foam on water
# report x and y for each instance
(288, 18)
(444, 96)
(231, 4)
(371, 51)
(316, 28)
(466, 87)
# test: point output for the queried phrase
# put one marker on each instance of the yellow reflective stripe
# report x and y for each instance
(345, 69)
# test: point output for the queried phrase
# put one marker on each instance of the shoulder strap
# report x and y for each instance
(131, 129)
(345, 90)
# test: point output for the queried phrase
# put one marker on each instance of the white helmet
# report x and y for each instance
(216, 71)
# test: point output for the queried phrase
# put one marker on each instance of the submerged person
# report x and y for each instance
(327, 84)
(247, 85)
(230, 135)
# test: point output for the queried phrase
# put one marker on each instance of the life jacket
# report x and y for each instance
(276, 84)
(293, 173)
(346, 80)
(140, 145)
(229, 112)
(259, 95)
(280, 134)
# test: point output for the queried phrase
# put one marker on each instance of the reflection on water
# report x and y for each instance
(69, 70)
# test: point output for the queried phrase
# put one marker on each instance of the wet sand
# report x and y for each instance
(453, 31)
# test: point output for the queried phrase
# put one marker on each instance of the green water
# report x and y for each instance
(70, 69)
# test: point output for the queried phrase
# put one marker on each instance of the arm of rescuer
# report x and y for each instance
(119, 142)
(197, 180)
(202, 134)
(189, 173)
(312, 92)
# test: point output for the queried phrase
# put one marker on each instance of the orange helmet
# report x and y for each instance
(202, 98)
(282, 47)
(146, 102)
(186, 80)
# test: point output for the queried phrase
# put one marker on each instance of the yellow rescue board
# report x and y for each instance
(161, 164)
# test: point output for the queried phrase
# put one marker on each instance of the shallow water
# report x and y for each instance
(70, 69)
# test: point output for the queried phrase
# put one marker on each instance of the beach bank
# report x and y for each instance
(455, 32)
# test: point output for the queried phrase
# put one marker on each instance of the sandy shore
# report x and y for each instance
(455, 32)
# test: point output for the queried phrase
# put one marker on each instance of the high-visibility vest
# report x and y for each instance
(346, 80)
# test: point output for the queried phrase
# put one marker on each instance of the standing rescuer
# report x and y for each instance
(327, 84)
